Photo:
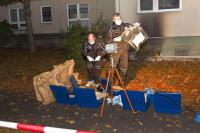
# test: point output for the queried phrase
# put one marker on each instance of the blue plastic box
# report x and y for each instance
(137, 99)
(86, 98)
(167, 102)
(197, 118)
(62, 95)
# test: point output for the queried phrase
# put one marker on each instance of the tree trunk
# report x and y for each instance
(29, 26)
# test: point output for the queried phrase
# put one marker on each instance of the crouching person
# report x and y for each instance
(93, 51)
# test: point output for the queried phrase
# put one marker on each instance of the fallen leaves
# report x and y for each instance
(140, 123)
(60, 118)
(108, 126)
(71, 122)
(15, 110)
(1, 98)
(171, 76)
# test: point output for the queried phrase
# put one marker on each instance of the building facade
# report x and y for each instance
(173, 25)
(52, 16)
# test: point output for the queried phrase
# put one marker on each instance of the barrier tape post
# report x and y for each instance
(39, 129)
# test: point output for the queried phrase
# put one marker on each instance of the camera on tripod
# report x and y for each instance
(111, 48)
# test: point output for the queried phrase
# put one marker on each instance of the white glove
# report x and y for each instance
(90, 58)
(117, 39)
(98, 58)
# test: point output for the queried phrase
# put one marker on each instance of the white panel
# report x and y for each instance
(8, 125)
(58, 130)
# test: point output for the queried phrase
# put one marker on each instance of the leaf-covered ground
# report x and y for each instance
(18, 102)
(171, 76)
(18, 66)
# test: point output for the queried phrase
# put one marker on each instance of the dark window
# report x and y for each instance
(146, 5)
(72, 9)
(83, 10)
(21, 15)
(13, 15)
(180, 52)
(14, 26)
(78, 13)
(169, 4)
(46, 14)
(17, 18)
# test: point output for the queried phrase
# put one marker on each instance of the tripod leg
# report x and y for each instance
(104, 99)
(124, 89)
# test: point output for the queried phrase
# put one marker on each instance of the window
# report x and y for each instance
(72, 9)
(46, 16)
(83, 10)
(78, 13)
(181, 52)
(145, 6)
(17, 18)
(169, 4)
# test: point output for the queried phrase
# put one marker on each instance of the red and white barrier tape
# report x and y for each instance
(39, 129)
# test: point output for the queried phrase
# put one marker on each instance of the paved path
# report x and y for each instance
(23, 107)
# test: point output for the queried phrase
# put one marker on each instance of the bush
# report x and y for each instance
(5, 32)
(100, 27)
(74, 38)
(73, 42)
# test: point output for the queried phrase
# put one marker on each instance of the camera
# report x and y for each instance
(111, 48)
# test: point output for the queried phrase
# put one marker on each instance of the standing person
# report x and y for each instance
(93, 50)
(114, 36)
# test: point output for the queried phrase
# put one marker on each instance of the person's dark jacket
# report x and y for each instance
(93, 50)
(116, 31)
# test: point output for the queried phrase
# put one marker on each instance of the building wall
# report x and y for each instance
(3, 14)
(106, 8)
(59, 13)
(167, 24)
(171, 33)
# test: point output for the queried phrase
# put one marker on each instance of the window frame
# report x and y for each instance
(156, 8)
(78, 13)
(18, 23)
(41, 15)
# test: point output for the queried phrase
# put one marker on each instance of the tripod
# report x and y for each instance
(110, 75)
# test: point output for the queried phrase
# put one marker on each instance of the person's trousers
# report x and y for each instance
(120, 60)
(94, 71)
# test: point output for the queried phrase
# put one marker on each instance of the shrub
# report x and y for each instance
(73, 42)
(5, 32)
(100, 27)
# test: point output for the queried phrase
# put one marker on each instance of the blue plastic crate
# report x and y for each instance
(104, 84)
(167, 102)
(137, 99)
(117, 92)
(150, 99)
(87, 98)
(197, 118)
(62, 95)
(73, 82)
